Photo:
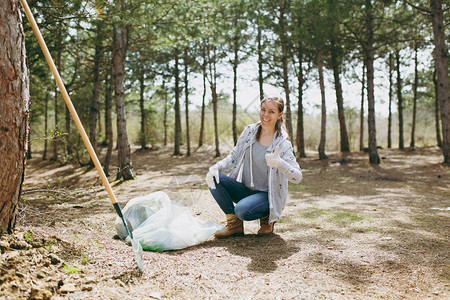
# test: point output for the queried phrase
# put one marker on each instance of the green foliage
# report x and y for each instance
(85, 259)
(316, 213)
(49, 245)
(313, 213)
(27, 236)
(71, 269)
(209, 32)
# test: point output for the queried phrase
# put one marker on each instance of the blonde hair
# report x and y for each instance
(279, 125)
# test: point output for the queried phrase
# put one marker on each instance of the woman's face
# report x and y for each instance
(269, 114)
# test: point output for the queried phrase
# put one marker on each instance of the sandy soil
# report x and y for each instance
(349, 231)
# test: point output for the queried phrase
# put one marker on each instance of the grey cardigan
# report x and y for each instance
(288, 170)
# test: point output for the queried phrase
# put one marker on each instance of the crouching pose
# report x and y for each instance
(262, 163)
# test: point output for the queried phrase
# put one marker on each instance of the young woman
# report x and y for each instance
(262, 163)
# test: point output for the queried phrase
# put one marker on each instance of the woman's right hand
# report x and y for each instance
(212, 173)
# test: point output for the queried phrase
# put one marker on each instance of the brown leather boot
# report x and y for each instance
(235, 227)
(265, 228)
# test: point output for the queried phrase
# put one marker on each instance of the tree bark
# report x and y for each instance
(58, 47)
(120, 41)
(14, 112)
(369, 57)
(441, 57)
(436, 111)
(300, 131)
(29, 154)
(323, 125)
(361, 113)
(108, 123)
(284, 62)
(345, 145)
(165, 111)
(186, 100)
(55, 131)
(68, 116)
(235, 67)
(260, 63)
(177, 136)
(391, 86)
(93, 111)
(213, 86)
(336, 61)
(412, 143)
(143, 137)
(401, 145)
(44, 154)
(202, 121)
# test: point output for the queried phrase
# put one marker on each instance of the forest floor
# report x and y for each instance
(349, 231)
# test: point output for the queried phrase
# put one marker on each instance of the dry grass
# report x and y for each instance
(350, 230)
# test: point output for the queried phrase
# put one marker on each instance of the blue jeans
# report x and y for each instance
(250, 204)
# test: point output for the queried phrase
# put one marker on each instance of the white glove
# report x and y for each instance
(212, 173)
(273, 159)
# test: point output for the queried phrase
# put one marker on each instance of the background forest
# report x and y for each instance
(191, 73)
(164, 89)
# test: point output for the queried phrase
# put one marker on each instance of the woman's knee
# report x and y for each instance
(223, 178)
(241, 212)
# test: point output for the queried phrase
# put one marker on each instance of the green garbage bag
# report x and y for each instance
(161, 224)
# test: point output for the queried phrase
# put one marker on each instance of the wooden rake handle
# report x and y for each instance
(69, 104)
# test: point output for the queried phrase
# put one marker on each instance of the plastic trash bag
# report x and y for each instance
(160, 224)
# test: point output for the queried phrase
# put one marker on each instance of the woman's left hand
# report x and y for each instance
(273, 159)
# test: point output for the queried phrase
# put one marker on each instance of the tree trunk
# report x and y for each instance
(108, 123)
(369, 56)
(300, 132)
(119, 51)
(436, 111)
(165, 111)
(58, 47)
(143, 137)
(235, 67)
(68, 116)
(55, 132)
(93, 111)
(213, 86)
(323, 125)
(441, 57)
(284, 61)
(202, 121)
(391, 87)
(345, 145)
(68, 130)
(216, 130)
(14, 112)
(186, 100)
(399, 103)
(361, 113)
(177, 142)
(99, 120)
(260, 64)
(29, 154)
(414, 112)
(44, 154)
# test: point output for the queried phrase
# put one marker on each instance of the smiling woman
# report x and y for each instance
(262, 163)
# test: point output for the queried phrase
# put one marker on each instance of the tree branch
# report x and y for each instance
(422, 9)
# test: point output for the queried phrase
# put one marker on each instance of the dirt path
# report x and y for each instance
(349, 231)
